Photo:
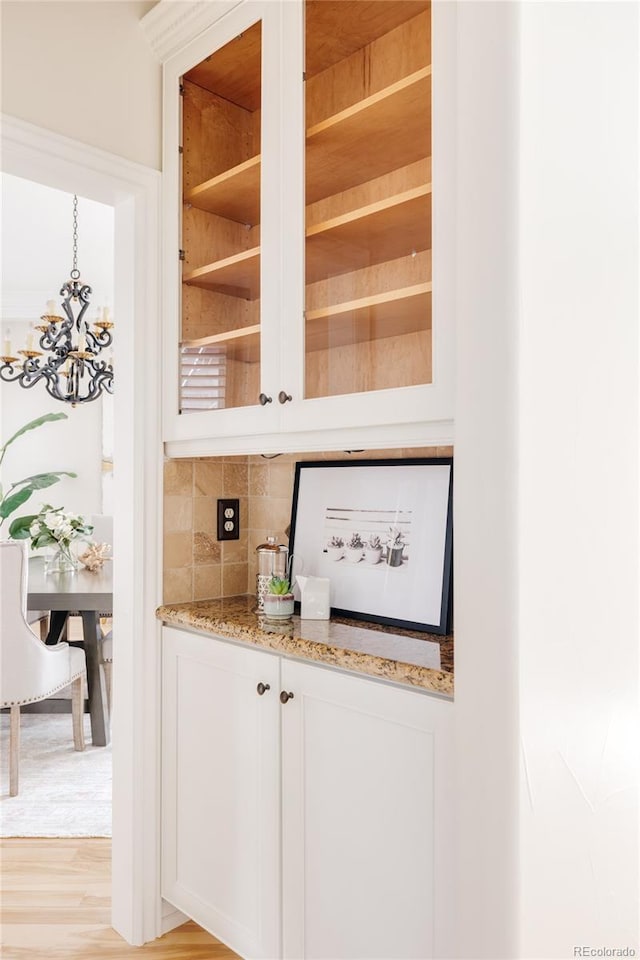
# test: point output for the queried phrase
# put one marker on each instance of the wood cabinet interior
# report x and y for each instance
(368, 201)
(368, 195)
(221, 138)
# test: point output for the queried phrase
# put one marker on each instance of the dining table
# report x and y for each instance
(89, 595)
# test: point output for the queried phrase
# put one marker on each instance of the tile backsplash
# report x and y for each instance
(196, 565)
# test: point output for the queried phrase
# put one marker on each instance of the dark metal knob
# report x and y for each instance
(262, 688)
(283, 397)
(264, 399)
(284, 696)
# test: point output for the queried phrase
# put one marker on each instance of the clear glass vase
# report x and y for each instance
(60, 560)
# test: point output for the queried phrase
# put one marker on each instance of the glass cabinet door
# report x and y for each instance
(220, 239)
(368, 196)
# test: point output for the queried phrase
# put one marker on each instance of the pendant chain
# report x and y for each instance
(75, 273)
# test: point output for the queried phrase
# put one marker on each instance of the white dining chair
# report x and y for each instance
(106, 656)
(29, 670)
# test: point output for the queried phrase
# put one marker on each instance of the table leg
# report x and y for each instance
(57, 626)
(95, 679)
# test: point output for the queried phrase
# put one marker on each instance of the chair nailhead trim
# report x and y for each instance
(61, 686)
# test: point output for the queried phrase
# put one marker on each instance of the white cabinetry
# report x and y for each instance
(307, 171)
(355, 771)
(220, 790)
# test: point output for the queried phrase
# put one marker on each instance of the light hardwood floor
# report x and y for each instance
(55, 905)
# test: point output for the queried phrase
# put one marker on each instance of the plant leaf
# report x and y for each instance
(47, 418)
(41, 480)
(13, 501)
(19, 529)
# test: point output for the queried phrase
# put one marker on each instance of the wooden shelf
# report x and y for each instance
(243, 344)
(237, 276)
(234, 71)
(343, 149)
(385, 230)
(371, 318)
(361, 22)
(234, 194)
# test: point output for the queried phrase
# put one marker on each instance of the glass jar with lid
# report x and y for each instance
(272, 562)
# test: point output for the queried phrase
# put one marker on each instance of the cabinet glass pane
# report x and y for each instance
(368, 195)
(221, 135)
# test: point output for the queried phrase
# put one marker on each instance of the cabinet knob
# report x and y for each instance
(283, 397)
(264, 399)
(284, 696)
(262, 688)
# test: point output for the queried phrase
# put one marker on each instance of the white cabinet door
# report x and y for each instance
(220, 790)
(366, 835)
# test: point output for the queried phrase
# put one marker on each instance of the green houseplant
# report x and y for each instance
(20, 491)
(278, 600)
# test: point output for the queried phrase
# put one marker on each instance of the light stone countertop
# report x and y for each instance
(403, 656)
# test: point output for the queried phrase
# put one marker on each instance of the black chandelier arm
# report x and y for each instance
(51, 338)
(27, 375)
(74, 290)
(98, 341)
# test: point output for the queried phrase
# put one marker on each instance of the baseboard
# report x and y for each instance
(171, 917)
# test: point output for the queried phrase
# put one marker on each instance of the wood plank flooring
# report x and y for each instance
(55, 905)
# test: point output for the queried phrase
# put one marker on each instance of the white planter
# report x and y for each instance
(278, 606)
(353, 554)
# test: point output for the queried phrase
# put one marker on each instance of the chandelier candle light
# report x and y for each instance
(72, 372)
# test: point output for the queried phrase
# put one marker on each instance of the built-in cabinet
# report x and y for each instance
(307, 259)
(306, 812)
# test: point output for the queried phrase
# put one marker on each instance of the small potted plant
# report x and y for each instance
(278, 600)
(335, 548)
(373, 549)
(395, 547)
(354, 548)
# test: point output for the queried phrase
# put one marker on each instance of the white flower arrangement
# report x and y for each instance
(52, 527)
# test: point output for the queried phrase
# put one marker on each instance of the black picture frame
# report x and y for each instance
(412, 497)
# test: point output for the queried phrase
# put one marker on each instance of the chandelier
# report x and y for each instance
(71, 372)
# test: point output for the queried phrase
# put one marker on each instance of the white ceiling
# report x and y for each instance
(37, 248)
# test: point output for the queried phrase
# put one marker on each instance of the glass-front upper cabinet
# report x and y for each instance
(368, 282)
(221, 144)
(309, 297)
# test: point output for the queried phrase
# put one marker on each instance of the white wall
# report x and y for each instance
(83, 69)
(485, 484)
(578, 489)
(547, 430)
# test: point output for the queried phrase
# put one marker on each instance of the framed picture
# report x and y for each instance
(381, 531)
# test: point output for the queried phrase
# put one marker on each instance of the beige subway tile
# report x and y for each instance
(272, 513)
(178, 550)
(207, 582)
(178, 477)
(234, 579)
(235, 551)
(281, 477)
(236, 479)
(208, 478)
(178, 585)
(205, 516)
(206, 549)
(258, 480)
(178, 513)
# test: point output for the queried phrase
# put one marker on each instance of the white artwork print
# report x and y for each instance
(379, 534)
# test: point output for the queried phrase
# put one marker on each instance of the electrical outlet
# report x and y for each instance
(228, 519)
